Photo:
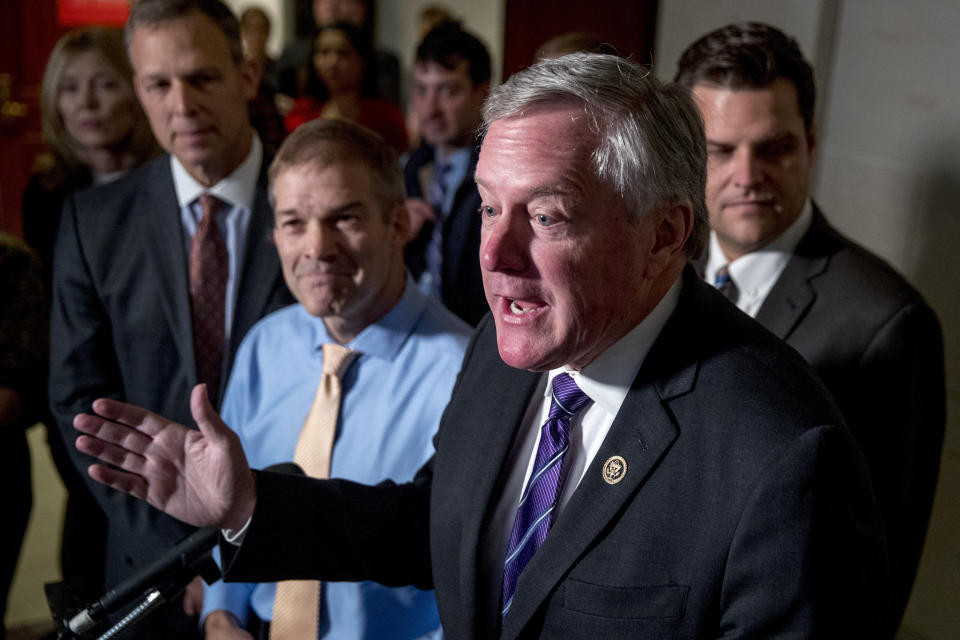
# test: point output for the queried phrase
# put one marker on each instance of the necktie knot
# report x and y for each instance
(438, 185)
(336, 359)
(210, 205)
(725, 284)
(568, 399)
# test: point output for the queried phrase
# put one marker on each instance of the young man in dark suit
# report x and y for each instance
(691, 478)
(868, 334)
(153, 291)
(451, 78)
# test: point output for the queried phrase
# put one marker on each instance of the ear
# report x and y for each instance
(672, 227)
(400, 221)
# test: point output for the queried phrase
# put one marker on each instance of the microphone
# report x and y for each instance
(189, 557)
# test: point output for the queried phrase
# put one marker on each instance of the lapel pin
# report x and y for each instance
(614, 469)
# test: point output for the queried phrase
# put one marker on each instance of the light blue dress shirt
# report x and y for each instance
(393, 395)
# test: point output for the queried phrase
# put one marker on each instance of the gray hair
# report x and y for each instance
(150, 13)
(651, 146)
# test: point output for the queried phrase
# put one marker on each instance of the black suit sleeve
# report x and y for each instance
(82, 368)
(898, 419)
(336, 530)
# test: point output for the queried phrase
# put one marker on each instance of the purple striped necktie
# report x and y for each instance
(534, 512)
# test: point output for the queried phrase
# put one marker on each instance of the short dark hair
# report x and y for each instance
(148, 13)
(324, 142)
(448, 45)
(749, 55)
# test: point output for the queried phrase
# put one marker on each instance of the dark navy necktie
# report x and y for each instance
(534, 512)
(433, 256)
(726, 285)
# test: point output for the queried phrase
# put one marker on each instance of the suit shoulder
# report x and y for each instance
(759, 379)
(114, 198)
(869, 279)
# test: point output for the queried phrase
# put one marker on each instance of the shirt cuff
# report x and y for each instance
(236, 537)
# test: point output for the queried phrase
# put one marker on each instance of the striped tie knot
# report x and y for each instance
(725, 284)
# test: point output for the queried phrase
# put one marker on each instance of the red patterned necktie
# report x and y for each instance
(208, 290)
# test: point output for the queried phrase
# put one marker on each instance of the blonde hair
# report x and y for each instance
(68, 164)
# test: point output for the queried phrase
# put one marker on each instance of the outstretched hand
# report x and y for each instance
(200, 477)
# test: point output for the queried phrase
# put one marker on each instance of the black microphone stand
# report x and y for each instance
(160, 582)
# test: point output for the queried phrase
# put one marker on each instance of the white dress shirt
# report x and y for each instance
(756, 272)
(606, 381)
(238, 190)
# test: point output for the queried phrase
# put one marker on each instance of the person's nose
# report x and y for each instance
(90, 98)
(746, 168)
(182, 98)
(505, 243)
(320, 242)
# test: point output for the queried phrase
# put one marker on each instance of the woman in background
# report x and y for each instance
(341, 85)
(95, 131)
(93, 125)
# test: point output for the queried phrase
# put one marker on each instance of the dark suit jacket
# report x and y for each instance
(121, 325)
(877, 347)
(461, 285)
(745, 509)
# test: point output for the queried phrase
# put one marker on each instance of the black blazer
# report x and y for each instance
(877, 347)
(121, 325)
(461, 287)
(745, 509)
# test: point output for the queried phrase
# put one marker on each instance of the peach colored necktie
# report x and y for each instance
(296, 607)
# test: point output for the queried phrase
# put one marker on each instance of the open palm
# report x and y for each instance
(200, 477)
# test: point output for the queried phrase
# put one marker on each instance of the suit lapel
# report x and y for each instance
(512, 389)
(642, 434)
(793, 293)
(259, 272)
(159, 211)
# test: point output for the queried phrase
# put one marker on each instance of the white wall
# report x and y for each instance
(889, 176)
(281, 16)
(398, 26)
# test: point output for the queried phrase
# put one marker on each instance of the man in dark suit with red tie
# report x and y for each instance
(624, 455)
(868, 334)
(158, 276)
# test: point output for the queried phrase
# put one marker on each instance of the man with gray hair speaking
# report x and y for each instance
(624, 454)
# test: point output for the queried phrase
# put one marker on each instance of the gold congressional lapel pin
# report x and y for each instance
(614, 469)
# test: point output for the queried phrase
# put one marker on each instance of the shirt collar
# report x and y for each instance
(458, 159)
(238, 188)
(384, 338)
(608, 379)
(751, 271)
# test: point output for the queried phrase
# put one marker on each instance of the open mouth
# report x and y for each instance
(521, 307)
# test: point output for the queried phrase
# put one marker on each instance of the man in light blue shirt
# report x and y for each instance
(340, 229)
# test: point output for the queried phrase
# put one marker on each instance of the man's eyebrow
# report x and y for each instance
(542, 191)
(334, 211)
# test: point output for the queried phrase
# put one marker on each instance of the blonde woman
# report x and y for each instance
(93, 126)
